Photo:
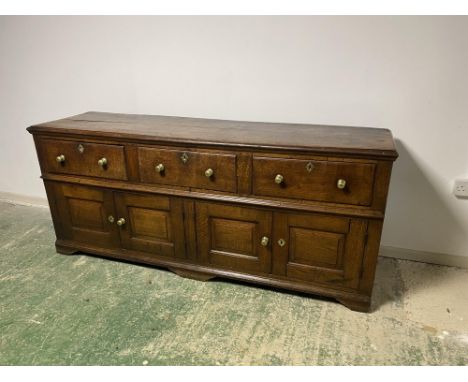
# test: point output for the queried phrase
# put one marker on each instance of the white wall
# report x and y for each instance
(408, 74)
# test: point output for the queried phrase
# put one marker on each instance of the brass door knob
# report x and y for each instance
(265, 241)
(279, 179)
(60, 158)
(102, 162)
(209, 173)
(160, 167)
(281, 242)
(121, 222)
(341, 184)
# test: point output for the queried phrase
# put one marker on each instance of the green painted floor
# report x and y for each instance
(83, 310)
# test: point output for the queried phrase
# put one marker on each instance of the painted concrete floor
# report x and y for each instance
(83, 310)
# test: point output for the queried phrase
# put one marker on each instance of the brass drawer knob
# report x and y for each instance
(279, 179)
(265, 241)
(102, 162)
(209, 173)
(60, 158)
(281, 242)
(160, 167)
(121, 222)
(341, 184)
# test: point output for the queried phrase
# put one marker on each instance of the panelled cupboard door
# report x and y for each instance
(319, 248)
(150, 223)
(84, 214)
(232, 237)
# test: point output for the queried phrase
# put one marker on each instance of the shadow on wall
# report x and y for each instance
(417, 217)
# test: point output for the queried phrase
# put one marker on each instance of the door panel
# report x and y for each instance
(319, 248)
(84, 213)
(152, 224)
(230, 237)
(327, 247)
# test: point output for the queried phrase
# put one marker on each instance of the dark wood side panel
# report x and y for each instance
(52, 199)
(371, 254)
(381, 184)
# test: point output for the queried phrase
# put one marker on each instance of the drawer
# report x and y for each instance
(198, 169)
(321, 180)
(83, 158)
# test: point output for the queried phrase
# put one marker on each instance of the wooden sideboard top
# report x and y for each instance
(360, 141)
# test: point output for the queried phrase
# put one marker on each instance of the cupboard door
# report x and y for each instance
(319, 248)
(84, 214)
(151, 223)
(232, 237)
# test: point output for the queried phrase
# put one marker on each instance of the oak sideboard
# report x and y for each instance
(291, 206)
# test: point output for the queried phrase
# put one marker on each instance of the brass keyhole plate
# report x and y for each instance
(184, 158)
(309, 166)
(80, 148)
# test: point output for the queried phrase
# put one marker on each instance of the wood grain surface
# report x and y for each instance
(319, 138)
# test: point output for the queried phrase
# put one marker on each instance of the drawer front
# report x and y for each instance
(196, 169)
(82, 158)
(326, 181)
